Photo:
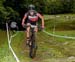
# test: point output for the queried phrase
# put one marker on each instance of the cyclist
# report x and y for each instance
(32, 18)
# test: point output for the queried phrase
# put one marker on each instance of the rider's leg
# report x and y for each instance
(28, 32)
(36, 29)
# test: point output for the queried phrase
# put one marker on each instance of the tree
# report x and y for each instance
(73, 6)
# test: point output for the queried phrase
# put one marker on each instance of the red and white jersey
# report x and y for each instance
(33, 18)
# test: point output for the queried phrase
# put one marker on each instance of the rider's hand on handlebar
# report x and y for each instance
(42, 27)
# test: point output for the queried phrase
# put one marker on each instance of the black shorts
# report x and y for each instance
(32, 23)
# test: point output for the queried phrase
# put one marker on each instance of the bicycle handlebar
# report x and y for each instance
(39, 27)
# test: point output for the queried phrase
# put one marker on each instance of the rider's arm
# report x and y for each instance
(41, 17)
(24, 18)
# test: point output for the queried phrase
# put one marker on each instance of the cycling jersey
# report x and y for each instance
(32, 19)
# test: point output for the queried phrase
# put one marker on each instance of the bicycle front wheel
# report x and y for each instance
(33, 49)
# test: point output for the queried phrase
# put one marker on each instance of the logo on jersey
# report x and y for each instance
(33, 18)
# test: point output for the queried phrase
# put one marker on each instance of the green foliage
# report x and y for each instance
(7, 12)
(73, 6)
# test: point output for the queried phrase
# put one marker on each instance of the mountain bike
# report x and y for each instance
(33, 46)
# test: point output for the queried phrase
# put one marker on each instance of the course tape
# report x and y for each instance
(67, 37)
(9, 43)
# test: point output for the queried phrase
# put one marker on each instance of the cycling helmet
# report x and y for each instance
(31, 7)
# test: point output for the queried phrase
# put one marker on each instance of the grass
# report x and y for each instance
(5, 54)
(70, 33)
(49, 49)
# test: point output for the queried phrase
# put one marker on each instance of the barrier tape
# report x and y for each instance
(67, 37)
(9, 43)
